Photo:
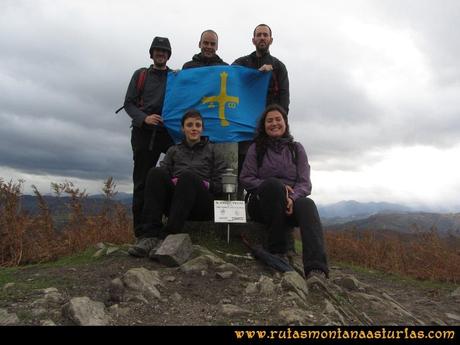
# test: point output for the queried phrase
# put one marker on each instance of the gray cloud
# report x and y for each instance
(65, 67)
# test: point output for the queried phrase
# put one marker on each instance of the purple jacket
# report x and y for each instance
(278, 163)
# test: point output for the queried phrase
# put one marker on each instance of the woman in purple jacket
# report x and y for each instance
(276, 173)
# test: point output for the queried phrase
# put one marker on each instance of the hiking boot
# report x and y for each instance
(316, 273)
(143, 246)
(153, 252)
(283, 257)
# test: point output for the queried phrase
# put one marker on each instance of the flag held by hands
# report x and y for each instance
(230, 99)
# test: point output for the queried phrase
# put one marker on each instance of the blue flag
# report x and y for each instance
(230, 99)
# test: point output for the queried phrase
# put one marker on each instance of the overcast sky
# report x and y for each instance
(375, 88)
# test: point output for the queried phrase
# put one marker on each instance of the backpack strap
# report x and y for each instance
(276, 84)
(140, 87)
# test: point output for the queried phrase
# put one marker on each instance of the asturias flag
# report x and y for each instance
(230, 99)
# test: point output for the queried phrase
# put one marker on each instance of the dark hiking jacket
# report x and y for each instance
(152, 96)
(201, 159)
(278, 90)
(199, 60)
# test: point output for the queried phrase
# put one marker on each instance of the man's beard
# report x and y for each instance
(262, 50)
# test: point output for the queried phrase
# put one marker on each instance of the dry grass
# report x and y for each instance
(26, 238)
(426, 256)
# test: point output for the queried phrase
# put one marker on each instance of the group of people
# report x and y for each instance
(273, 168)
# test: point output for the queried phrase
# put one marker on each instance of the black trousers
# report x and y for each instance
(268, 205)
(187, 200)
(147, 146)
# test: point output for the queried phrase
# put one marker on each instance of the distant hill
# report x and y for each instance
(120, 196)
(404, 222)
(345, 211)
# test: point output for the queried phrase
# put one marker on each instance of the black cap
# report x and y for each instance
(160, 43)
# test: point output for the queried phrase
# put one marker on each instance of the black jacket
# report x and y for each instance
(201, 159)
(153, 95)
(278, 90)
(199, 60)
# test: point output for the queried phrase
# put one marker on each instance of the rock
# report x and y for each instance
(224, 275)
(100, 245)
(201, 263)
(138, 298)
(169, 279)
(299, 302)
(175, 250)
(227, 267)
(47, 323)
(453, 316)
(370, 298)
(266, 286)
(456, 292)
(214, 260)
(292, 281)
(36, 312)
(251, 289)
(233, 310)
(112, 250)
(116, 290)
(54, 298)
(317, 283)
(85, 312)
(7, 319)
(117, 311)
(294, 316)
(143, 281)
(332, 311)
(200, 250)
(348, 282)
(99, 253)
(48, 290)
(195, 265)
(176, 297)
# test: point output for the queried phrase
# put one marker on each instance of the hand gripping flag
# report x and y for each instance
(230, 99)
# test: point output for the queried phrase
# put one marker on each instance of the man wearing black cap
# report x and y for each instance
(149, 138)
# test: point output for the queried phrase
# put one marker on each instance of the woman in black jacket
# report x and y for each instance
(183, 187)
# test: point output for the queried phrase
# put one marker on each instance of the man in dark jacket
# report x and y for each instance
(209, 42)
(149, 138)
(278, 90)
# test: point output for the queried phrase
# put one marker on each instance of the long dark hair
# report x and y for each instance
(262, 139)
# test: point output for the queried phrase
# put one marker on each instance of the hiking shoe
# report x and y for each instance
(143, 246)
(283, 257)
(316, 273)
(153, 252)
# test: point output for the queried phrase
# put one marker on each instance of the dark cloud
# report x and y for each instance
(65, 67)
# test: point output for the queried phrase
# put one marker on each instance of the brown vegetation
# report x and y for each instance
(26, 238)
(421, 255)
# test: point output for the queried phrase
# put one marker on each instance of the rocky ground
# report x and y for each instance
(105, 286)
